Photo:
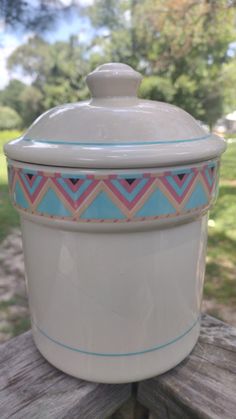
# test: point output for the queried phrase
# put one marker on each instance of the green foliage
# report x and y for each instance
(10, 96)
(9, 118)
(181, 43)
(229, 83)
(157, 88)
(31, 104)
(58, 71)
(33, 15)
(25, 100)
(117, 40)
(108, 13)
(33, 58)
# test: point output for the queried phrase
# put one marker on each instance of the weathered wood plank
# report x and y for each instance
(31, 388)
(201, 387)
(132, 409)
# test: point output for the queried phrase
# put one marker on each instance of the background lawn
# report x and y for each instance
(220, 282)
(8, 216)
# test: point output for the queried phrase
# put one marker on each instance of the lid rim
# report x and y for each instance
(116, 143)
(123, 156)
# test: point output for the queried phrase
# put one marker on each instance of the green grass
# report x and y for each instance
(228, 164)
(17, 324)
(220, 281)
(20, 326)
(8, 216)
(221, 259)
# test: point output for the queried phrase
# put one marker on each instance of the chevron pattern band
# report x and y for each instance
(114, 198)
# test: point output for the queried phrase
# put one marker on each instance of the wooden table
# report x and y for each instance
(202, 386)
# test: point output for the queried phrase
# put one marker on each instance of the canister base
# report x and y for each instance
(116, 369)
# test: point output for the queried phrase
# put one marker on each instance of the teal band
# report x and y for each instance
(117, 144)
(122, 354)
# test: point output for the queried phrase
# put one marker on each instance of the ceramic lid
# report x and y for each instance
(115, 129)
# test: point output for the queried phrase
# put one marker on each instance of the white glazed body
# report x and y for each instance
(114, 302)
(115, 307)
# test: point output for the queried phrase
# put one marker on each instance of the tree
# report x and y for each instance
(116, 36)
(229, 83)
(181, 47)
(33, 59)
(31, 104)
(32, 15)
(57, 71)
(181, 43)
(9, 118)
(10, 96)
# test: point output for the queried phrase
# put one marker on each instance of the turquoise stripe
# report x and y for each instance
(36, 183)
(179, 189)
(130, 195)
(124, 144)
(155, 348)
(74, 194)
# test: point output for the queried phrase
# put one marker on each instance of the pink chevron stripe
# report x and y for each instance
(76, 204)
(203, 173)
(168, 186)
(124, 201)
(211, 171)
(127, 186)
(73, 187)
(32, 198)
(28, 180)
(179, 181)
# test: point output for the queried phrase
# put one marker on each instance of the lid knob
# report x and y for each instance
(113, 79)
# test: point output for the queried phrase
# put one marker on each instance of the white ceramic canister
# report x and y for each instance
(113, 195)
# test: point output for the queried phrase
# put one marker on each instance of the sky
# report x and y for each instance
(10, 40)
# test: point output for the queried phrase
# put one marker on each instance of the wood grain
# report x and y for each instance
(31, 388)
(204, 385)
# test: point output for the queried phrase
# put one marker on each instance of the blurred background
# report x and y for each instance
(186, 50)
